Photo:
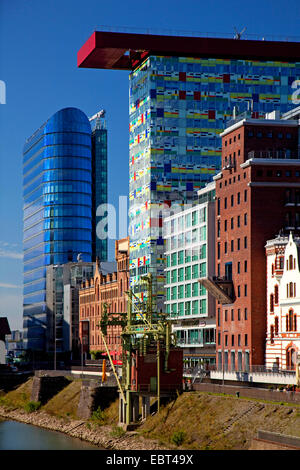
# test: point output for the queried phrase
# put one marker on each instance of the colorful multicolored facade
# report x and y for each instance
(178, 108)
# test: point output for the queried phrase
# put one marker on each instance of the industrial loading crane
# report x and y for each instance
(152, 364)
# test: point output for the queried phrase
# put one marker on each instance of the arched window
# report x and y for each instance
(271, 303)
(291, 358)
(291, 262)
(121, 287)
(276, 296)
(290, 320)
(276, 325)
(291, 289)
(272, 334)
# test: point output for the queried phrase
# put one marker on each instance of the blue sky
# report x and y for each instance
(39, 41)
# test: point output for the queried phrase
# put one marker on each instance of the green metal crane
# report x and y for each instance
(139, 330)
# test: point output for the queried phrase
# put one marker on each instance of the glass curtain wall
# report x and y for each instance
(57, 193)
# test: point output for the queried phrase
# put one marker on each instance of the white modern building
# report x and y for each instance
(190, 254)
(283, 302)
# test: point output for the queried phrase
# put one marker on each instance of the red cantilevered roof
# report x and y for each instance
(125, 51)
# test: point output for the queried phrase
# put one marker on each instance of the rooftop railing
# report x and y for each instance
(196, 34)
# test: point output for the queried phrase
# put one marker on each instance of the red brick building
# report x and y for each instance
(257, 196)
(104, 288)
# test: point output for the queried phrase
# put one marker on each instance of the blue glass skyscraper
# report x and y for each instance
(99, 180)
(57, 182)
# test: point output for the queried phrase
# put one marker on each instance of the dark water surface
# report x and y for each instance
(21, 436)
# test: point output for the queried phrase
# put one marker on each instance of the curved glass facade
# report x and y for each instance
(57, 192)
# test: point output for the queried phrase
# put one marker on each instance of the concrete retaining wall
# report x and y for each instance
(274, 441)
(93, 395)
(249, 392)
(45, 387)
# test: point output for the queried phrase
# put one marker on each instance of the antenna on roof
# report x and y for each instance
(239, 34)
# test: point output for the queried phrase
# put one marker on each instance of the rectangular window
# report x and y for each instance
(202, 234)
(246, 314)
(174, 293)
(181, 308)
(187, 273)
(232, 340)
(195, 307)
(188, 290)
(195, 271)
(202, 215)
(180, 274)
(246, 340)
(245, 195)
(187, 308)
(202, 309)
(245, 242)
(181, 257)
(202, 270)
(181, 291)
(174, 259)
(195, 289)
(188, 256)
(188, 220)
(245, 266)
(195, 218)
(239, 313)
(232, 314)
(245, 219)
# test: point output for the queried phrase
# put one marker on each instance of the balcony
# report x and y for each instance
(219, 287)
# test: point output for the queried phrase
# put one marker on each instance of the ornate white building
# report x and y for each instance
(283, 302)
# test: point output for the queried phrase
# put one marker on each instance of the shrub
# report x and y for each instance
(32, 406)
(178, 438)
(98, 415)
(117, 431)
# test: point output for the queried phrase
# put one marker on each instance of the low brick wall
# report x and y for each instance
(249, 392)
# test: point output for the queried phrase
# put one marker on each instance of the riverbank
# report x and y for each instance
(95, 434)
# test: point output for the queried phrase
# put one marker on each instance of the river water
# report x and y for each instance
(21, 436)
